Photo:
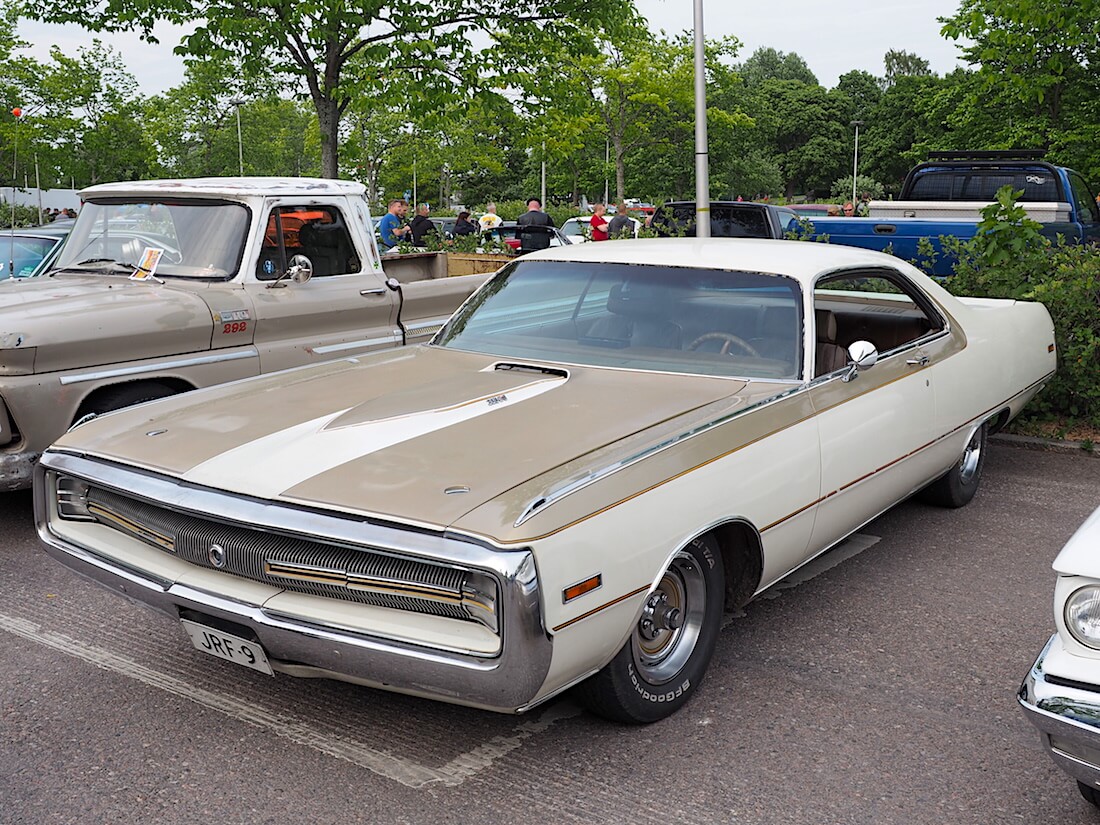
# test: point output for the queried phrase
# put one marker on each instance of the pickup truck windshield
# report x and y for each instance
(656, 318)
(200, 239)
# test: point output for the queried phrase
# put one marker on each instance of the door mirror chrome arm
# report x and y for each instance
(862, 355)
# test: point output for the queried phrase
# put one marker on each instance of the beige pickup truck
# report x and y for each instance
(165, 286)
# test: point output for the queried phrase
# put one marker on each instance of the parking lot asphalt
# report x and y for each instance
(876, 686)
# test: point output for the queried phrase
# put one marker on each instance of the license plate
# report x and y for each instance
(225, 646)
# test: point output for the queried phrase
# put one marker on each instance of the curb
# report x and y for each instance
(1028, 442)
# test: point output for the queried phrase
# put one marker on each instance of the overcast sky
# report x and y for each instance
(832, 38)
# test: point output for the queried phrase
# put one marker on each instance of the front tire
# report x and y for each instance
(663, 662)
(957, 487)
(1089, 792)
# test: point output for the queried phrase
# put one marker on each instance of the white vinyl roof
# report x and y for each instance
(803, 260)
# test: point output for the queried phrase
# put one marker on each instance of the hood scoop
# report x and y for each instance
(487, 388)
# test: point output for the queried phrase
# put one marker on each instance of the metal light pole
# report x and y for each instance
(542, 193)
(606, 171)
(855, 160)
(240, 143)
(702, 158)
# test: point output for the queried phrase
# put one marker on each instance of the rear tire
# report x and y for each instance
(957, 487)
(663, 662)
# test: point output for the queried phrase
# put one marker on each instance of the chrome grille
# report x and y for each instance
(294, 564)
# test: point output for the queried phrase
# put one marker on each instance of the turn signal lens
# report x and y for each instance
(1082, 615)
(579, 589)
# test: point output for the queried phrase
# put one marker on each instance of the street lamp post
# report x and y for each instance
(702, 159)
(855, 160)
(238, 102)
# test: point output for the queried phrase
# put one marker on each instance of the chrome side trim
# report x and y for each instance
(575, 485)
(393, 338)
(158, 367)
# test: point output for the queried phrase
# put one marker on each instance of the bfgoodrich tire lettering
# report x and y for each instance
(662, 663)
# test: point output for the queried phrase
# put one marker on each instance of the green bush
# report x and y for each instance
(24, 215)
(1008, 258)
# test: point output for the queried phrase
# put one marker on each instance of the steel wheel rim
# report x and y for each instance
(972, 456)
(660, 651)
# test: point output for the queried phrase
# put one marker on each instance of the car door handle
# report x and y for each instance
(920, 361)
(379, 291)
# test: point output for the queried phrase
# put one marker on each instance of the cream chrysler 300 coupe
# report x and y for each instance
(605, 448)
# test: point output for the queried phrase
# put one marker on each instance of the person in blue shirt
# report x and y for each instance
(392, 226)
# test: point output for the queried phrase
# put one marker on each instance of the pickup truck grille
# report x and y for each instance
(301, 565)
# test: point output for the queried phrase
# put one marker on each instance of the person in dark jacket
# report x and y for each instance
(421, 225)
(532, 227)
(463, 226)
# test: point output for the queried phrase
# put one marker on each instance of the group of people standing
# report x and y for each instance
(619, 226)
(533, 225)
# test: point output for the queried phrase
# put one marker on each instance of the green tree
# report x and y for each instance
(900, 63)
(768, 64)
(194, 126)
(340, 51)
(864, 90)
(93, 109)
(1038, 49)
(807, 128)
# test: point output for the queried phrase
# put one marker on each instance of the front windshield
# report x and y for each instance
(199, 239)
(658, 318)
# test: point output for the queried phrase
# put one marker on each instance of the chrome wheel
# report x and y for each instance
(671, 621)
(971, 457)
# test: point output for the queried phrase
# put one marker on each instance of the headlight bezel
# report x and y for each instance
(1083, 602)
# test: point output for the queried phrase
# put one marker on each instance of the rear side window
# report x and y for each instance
(317, 232)
(1038, 184)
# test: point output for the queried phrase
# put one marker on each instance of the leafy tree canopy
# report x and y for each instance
(768, 64)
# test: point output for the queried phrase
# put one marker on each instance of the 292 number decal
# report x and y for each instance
(236, 326)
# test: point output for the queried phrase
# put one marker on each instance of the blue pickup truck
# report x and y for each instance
(945, 196)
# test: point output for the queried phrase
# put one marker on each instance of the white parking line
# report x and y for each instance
(295, 729)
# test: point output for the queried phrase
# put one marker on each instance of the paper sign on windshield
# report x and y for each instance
(148, 265)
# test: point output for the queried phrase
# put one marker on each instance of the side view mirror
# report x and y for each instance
(301, 269)
(862, 355)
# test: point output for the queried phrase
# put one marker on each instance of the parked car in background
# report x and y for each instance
(605, 450)
(577, 229)
(508, 233)
(814, 210)
(945, 196)
(445, 226)
(728, 219)
(1061, 693)
(29, 251)
(254, 275)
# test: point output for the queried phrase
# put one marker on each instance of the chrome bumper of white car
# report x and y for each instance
(507, 682)
(1068, 718)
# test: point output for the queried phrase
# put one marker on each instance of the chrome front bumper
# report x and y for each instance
(508, 682)
(1068, 719)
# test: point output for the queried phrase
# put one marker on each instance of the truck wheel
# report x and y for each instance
(957, 487)
(123, 395)
(1090, 793)
(663, 661)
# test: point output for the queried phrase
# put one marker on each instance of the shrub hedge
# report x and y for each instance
(1008, 258)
